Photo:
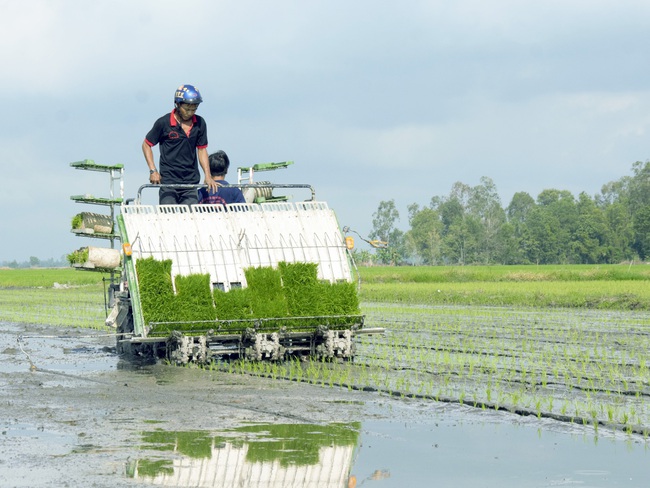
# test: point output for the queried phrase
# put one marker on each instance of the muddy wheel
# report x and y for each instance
(183, 349)
(124, 324)
(335, 345)
(125, 328)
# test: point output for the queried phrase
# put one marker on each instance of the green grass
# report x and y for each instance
(597, 287)
(515, 274)
(79, 306)
(29, 296)
(617, 295)
(46, 277)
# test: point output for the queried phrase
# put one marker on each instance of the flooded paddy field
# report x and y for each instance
(462, 397)
(580, 366)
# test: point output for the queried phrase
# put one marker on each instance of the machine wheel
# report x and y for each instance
(124, 324)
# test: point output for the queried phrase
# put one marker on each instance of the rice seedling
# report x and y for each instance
(291, 290)
(81, 306)
(522, 360)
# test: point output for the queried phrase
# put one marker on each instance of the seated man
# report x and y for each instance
(219, 164)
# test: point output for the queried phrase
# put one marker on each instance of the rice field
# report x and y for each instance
(603, 295)
(46, 277)
(505, 274)
(588, 367)
(78, 306)
(583, 363)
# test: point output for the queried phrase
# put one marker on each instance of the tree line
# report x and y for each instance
(35, 262)
(470, 226)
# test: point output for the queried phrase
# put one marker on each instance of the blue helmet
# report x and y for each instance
(187, 94)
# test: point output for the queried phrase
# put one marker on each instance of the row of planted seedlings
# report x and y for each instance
(588, 369)
(81, 306)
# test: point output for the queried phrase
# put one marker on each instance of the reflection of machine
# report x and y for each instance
(263, 279)
(278, 455)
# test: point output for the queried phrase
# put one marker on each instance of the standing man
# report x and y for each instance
(182, 136)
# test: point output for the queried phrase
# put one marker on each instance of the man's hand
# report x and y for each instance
(212, 185)
(202, 153)
(154, 178)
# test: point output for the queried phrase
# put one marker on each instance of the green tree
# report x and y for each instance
(639, 206)
(589, 240)
(383, 229)
(641, 226)
(518, 213)
(561, 214)
(508, 250)
(424, 237)
(620, 235)
(543, 236)
(484, 205)
(519, 209)
(362, 257)
(639, 185)
(614, 192)
(457, 242)
(624, 204)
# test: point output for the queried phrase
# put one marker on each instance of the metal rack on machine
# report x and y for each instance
(99, 226)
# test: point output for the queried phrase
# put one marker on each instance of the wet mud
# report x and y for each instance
(75, 414)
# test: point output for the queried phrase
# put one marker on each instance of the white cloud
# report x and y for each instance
(604, 103)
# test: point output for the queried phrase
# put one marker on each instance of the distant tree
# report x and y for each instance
(620, 233)
(639, 184)
(470, 226)
(362, 257)
(590, 236)
(383, 229)
(641, 226)
(384, 220)
(639, 207)
(425, 237)
(518, 213)
(471, 219)
(461, 243)
(34, 261)
(561, 217)
(614, 192)
(508, 249)
(542, 227)
(485, 206)
(519, 208)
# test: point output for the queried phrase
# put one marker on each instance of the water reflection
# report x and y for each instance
(275, 455)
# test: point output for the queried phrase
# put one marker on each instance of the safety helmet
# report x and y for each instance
(187, 94)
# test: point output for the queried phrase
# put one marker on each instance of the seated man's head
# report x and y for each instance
(219, 163)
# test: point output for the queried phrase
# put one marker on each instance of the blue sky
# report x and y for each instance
(373, 100)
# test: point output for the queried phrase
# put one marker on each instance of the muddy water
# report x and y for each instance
(74, 414)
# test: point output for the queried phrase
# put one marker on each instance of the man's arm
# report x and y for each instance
(205, 164)
(154, 178)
